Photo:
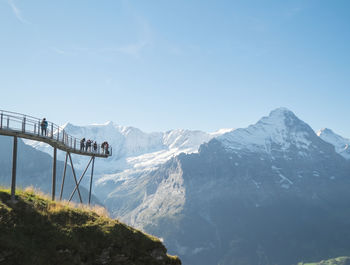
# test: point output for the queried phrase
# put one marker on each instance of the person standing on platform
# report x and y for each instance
(43, 126)
(82, 144)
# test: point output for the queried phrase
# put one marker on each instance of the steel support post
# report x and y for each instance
(14, 167)
(54, 173)
(64, 176)
(92, 174)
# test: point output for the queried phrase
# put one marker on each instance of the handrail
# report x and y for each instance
(29, 125)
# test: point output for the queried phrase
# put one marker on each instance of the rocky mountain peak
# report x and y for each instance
(282, 127)
(341, 144)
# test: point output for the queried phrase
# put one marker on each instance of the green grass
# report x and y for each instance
(36, 230)
(336, 261)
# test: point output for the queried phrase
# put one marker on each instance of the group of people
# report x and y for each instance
(85, 145)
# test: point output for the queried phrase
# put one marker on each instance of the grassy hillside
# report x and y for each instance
(336, 261)
(36, 230)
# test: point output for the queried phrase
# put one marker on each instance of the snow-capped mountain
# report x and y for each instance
(342, 145)
(248, 196)
(133, 149)
(229, 197)
(280, 129)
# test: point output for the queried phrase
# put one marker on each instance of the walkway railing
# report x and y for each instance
(25, 124)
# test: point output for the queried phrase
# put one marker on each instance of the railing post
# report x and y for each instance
(1, 120)
(24, 124)
(58, 134)
(8, 121)
(51, 130)
(75, 143)
(39, 127)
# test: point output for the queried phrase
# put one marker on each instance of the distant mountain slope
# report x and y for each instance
(38, 231)
(134, 152)
(134, 149)
(273, 193)
(342, 145)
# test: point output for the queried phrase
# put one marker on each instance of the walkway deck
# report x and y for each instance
(28, 127)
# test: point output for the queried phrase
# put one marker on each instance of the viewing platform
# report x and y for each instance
(28, 127)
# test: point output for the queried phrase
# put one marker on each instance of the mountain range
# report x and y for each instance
(272, 193)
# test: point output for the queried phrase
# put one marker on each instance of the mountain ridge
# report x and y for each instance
(217, 205)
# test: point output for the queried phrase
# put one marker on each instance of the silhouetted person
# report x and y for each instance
(43, 126)
(88, 145)
(95, 146)
(106, 148)
(82, 144)
(103, 147)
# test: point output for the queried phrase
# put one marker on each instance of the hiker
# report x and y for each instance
(95, 146)
(103, 147)
(82, 144)
(43, 126)
(88, 146)
(106, 148)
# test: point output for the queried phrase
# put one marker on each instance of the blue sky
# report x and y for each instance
(161, 65)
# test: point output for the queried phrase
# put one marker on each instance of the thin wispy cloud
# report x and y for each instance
(57, 50)
(17, 12)
(133, 49)
(145, 40)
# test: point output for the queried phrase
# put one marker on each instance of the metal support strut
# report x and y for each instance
(92, 174)
(54, 173)
(77, 184)
(14, 167)
(75, 178)
(64, 176)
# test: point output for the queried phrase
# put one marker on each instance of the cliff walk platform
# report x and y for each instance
(28, 127)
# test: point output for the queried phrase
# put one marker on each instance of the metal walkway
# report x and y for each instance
(28, 127)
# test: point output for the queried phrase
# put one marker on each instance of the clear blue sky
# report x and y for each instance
(160, 65)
